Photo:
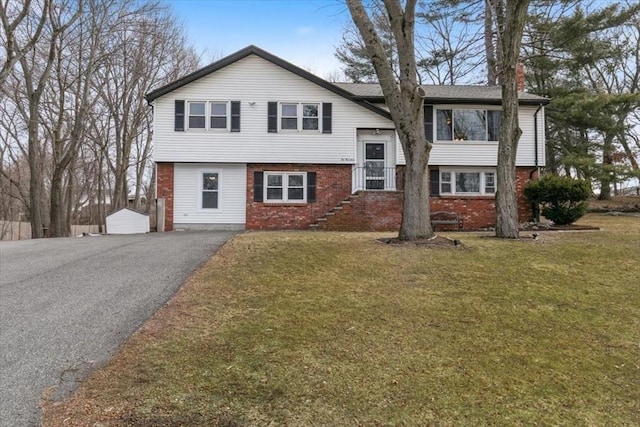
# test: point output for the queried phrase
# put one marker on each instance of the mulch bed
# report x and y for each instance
(435, 242)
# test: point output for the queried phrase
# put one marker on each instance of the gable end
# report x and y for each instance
(254, 50)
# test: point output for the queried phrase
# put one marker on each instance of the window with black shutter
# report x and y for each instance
(428, 122)
(235, 116)
(179, 116)
(311, 187)
(326, 117)
(258, 186)
(434, 182)
(272, 117)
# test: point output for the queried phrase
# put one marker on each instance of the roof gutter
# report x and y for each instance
(534, 206)
(535, 133)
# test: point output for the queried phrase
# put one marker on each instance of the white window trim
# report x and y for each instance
(299, 117)
(201, 190)
(188, 115)
(285, 187)
(453, 172)
(207, 116)
(227, 115)
(459, 108)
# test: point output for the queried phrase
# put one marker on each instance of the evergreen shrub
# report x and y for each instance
(563, 198)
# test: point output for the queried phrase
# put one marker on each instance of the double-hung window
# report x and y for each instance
(212, 115)
(310, 117)
(467, 125)
(285, 187)
(197, 115)
(218, 115)
(289, 116)
(467, 182)
(210, 190)
(299, 116)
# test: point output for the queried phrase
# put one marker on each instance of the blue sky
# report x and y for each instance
(304, 32)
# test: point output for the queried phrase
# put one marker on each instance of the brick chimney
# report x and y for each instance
(520, 76)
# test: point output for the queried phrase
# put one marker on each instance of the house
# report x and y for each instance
(253, 141)
(127, 221)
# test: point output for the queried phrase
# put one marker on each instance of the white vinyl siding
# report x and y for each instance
(485, 153)
(188, 194)
(255, 82)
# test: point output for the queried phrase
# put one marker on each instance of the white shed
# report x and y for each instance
(127, 221)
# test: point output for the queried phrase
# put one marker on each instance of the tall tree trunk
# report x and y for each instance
(511, 19)
(36, 185)
(607, 163)
(404, 97)
(415, 211)
(58, 205)
(151, 193)
(489, 48)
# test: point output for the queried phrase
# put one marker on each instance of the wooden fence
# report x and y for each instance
(14, 230)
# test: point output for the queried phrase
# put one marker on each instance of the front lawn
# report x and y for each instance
(333, 329)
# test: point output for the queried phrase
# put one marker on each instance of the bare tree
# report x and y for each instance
(19, 35)
(404, 97)
(448, 44)
(510, 16)
(35, 70)
(148, 50)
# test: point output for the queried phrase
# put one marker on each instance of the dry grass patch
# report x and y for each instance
(302, 328)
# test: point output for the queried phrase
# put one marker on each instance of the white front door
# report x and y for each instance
(375, 166)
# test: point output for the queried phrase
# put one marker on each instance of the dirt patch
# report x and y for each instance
(434, 242)
(617, 203)
(555, 227)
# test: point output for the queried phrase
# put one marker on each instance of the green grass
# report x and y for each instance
(303, 328)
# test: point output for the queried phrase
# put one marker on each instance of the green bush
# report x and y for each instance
(563, 198)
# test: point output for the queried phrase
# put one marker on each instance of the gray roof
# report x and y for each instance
(446, 94)
(364, 94)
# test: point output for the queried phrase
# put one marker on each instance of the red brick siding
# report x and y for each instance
(332, 186)
(381, 211)
(164, 189)
(367, 211)
(479, 212)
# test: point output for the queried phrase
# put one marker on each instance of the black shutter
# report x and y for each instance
(258, 186)
(326, 117)
(235, 116)
(428, 122)
(434, 182)
(311, 187)
(272, 117)
(179, 116)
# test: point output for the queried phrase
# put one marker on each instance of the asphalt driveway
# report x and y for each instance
(66, 305)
